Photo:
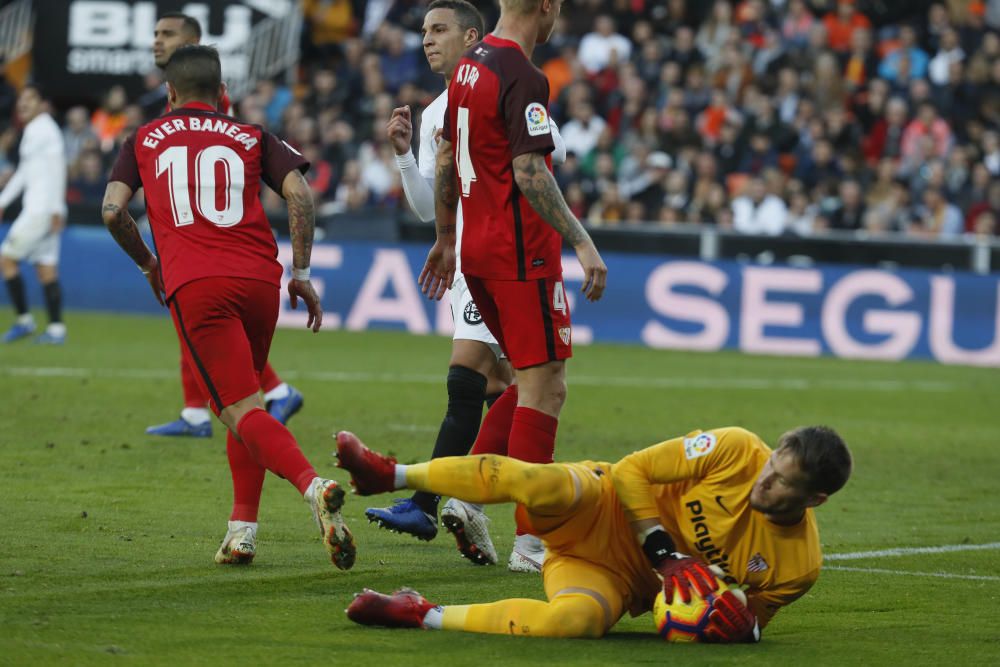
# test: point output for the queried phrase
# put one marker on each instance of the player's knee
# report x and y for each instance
(577, 615)
(466, 385)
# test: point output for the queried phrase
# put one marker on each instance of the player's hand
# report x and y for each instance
(730, 621)
(439, 270)
(56, 225)
(400, 130)
(595, 273)
(304, 289)
(684, 574)
(152, 272)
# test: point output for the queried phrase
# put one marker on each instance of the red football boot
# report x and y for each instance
(371, 472)
(405, 608)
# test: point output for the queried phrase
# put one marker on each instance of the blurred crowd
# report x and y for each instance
(762, 116)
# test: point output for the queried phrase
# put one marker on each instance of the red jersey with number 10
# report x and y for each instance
(201, 172)
(496, 112)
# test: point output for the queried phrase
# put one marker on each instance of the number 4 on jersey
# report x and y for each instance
(466, 173)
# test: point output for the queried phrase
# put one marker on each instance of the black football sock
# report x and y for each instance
(53, 301)
(492, 398)
(15, 288)
(466, 391)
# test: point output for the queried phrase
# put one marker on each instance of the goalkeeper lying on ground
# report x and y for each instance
(613, 531)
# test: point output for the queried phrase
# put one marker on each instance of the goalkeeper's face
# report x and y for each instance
(782, 488)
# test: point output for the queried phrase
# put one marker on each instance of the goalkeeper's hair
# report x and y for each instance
(822, 455)
(465, 13)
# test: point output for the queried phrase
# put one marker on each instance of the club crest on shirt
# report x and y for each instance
(565, 333)
(471, 314)
(757, 563)
(537, 118)
(699, 445)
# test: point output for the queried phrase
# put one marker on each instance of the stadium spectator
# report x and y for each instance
(108, 121)
(604, 46)
(86, 185)
(758, 212)
(907, 60)
(842, 24)
(78, 134)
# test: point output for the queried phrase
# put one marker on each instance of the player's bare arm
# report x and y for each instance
(126, 233)
(439, 269)
(541, 190)
(301, 226)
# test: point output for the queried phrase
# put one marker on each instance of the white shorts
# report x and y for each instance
(469, 324)
(30, 239)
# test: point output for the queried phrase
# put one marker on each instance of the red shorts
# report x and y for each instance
(530, 319)
(226, 324)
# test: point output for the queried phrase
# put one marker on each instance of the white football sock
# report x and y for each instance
(278, 393)
(196, 416)
(26, 319)
(400, 479)
(56, 329)
(434, 618)
(236, 525)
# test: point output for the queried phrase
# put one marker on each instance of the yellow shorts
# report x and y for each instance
(591, 546)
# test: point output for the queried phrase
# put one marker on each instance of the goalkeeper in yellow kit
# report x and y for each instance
(616, 533)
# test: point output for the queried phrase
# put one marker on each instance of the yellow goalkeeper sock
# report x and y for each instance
(568, 615)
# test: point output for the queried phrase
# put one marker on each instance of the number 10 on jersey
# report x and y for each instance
(174, 161)
(466, 172)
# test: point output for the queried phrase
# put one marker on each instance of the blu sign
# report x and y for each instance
(658, 301)
(681, 304)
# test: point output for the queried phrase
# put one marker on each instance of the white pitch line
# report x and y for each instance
(690, 383)
(941, 575)
(912, 551)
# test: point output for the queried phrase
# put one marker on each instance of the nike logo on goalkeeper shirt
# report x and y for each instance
(718, 499)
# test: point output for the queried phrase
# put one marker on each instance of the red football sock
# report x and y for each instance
(495, 431)
(248, 480)
(532, 439)
(194, 395)
(268, 378)
(274, 447)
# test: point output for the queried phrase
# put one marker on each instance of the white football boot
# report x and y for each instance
(471, 529)
(528, 554)
(239, 546)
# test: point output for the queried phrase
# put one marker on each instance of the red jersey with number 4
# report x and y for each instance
(496, 112)
(201, 172)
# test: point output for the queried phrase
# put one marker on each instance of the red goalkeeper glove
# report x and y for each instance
(686, 573)
(730, 621)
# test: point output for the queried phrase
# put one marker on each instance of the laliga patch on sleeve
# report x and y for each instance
(537, 119)
(699, 445)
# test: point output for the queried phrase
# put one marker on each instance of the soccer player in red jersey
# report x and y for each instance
(217, 272)
(494, 157)
(172, 31)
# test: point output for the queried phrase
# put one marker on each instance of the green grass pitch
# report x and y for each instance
(107, 535)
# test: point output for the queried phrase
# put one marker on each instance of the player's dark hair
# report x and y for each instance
(821, 454)
(468, 16)
(195, 72)
(188, 23)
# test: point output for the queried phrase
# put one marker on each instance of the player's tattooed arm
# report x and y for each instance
(121, 225)
(301, 217)
(541, 190)
(539, 187)
(445, 191)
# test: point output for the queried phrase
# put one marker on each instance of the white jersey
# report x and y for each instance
(432, 120)
(41, 173)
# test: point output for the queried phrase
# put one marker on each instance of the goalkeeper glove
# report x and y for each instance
(730, 621)
(680, 573)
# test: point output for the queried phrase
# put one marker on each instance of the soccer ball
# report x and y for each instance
(678, 621)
